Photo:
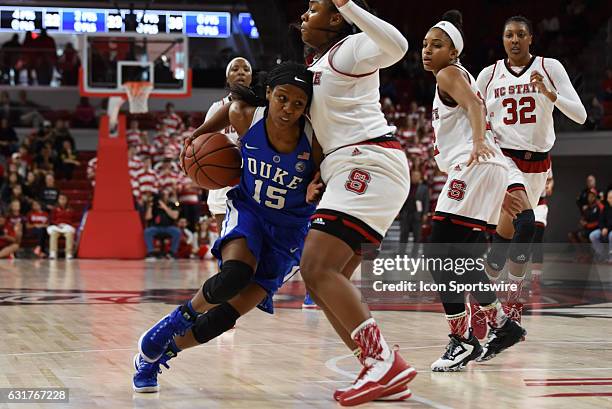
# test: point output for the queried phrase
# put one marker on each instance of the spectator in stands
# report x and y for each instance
(29, 114)
(49, 194)
(161, 213)
(28, 56)
(68, 65)
(581, 200)
(8, 242)
(133, 134)
(18, 195)
(84, 114)
(414, 212)
(9, 57)
(603, 234)
(147, 179)
(16, 219)
(22, 160)
(595, 114)
(46, 57)
(6, 108)
(67, 161)
(12, 180)
(189, 201)
(45, 161)
(8, 138)
(61, 133)
(31, 185)
(62, 218)
(91, 170)
(167, 175)
(171, 119)
(143, 149)
(606, 85)
(589, 219)
(37, 222)
(186, 245)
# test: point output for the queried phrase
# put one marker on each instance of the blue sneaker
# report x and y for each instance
(145, 378)
(308, 304)
(153, 343)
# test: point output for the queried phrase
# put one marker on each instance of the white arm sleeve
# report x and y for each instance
(483, 80)
(568, 100)
(211, 111)
(380, 45)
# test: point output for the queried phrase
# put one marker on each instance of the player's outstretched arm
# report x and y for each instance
(566, 97)
(453, 82)
(380, 45)
(217, 121)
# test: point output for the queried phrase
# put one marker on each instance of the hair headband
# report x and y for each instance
(453, 32)
(229, 65)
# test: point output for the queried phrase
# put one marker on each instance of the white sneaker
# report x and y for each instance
(459, 352)
(69, 256)
(52, 255)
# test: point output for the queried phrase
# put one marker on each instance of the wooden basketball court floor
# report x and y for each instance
(75, 325)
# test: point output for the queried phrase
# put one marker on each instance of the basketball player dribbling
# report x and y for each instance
(470, 202)
(520, 94)
(265, 225)
(367, 180)
(238, 71)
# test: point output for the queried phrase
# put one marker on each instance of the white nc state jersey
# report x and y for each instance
(229, 131)
(345, 108)
(453, 140)
(520, 116)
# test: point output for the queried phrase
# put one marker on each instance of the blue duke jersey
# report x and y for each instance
(276, 182)
(268, 208)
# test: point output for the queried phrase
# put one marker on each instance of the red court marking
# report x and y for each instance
(574, 395)
(567, 383)
(567, 379)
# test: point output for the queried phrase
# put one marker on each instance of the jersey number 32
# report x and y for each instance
(520, 111)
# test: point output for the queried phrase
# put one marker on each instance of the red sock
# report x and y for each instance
(458, 324)
(371, 342)
(495, 314)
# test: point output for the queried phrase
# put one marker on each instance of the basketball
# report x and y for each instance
(213, 161)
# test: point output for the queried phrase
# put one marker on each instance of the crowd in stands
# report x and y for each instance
(595, 224)
(36, 61)
(172, 207)
(31, 205)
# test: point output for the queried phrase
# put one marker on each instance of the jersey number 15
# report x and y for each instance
(274, 194)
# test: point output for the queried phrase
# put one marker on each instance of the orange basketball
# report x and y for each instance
(213, 161)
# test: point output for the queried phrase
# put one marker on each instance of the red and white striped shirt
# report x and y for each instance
(437, 184)
(173, 122)
(147, 180)
(133, 137)
(167, 179)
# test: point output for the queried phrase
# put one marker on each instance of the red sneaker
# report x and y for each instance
(398, 393)
(383, 376)
(478, 320)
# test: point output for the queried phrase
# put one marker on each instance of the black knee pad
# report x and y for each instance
(223, 286)
(524, 230)
(215, 322)
(498, 253)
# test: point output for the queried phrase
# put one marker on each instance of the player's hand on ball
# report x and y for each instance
(480, 151)
(315, 189)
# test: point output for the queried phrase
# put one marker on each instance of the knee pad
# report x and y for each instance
(498, 253)
(214, 323)
(524, 230)
(223, 286)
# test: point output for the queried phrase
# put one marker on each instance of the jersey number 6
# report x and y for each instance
(358, 181)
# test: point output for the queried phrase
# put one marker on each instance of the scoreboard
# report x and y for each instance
(88, 20)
